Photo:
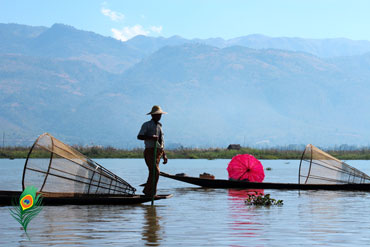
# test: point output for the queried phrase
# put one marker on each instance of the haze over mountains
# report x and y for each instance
(255, 90)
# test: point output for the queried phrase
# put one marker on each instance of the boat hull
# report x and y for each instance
(55, 199)
(223, 183)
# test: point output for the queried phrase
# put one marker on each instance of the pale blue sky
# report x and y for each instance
(198, 18)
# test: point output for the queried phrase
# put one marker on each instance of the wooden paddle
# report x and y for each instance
(154, 169)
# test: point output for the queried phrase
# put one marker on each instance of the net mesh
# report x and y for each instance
(318, 167)
(68, 171)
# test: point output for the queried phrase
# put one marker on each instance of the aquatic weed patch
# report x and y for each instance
(262, 200)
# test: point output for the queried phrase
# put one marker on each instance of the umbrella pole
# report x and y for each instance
(154, 171)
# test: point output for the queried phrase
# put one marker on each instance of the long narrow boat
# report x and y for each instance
(224, 183)
(317, 171)
(68, 177)
(55, 199)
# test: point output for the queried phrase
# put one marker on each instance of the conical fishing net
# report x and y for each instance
(67, 170)
(318, 167)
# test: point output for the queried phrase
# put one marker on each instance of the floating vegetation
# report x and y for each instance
(262, 200)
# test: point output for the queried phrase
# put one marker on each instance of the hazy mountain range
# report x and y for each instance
(255, 90)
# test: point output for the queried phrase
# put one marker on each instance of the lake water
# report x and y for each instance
(196, 216)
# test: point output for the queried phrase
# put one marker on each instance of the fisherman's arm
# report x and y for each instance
(145, 137)
(143, 134)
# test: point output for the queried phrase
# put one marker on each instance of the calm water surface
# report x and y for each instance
(196, 216)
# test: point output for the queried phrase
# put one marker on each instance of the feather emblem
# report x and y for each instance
(28, 206)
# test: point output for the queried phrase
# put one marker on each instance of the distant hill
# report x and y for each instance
(259, 96)
(215, 96)
(324, 48)
(14, 37)
(66, 42)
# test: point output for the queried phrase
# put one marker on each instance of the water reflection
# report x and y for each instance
(197, 216)
(151, 230)
(244, 221)
(62, 223)
(191, 190)
(323, 214)
(84, 225)
(238, 195)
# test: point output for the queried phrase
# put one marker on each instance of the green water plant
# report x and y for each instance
(262, 200)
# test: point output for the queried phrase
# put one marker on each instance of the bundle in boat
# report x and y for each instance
(68, 171)
(318, 167)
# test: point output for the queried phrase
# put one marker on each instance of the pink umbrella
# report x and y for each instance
(246, 167)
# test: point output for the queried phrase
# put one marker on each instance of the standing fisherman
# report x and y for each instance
(151, 133)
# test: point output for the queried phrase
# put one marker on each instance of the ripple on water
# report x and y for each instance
(196, 216)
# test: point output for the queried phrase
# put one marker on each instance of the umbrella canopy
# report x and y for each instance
(246, 167)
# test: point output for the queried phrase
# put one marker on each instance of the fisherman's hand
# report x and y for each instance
(165, 159)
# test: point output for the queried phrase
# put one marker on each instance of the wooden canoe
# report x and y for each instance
(224, 183)
(55, 199)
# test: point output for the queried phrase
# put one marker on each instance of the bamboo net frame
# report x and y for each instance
(318, 167)
(68, 171)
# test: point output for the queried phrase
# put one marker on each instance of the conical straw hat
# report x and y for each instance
(156, 110)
